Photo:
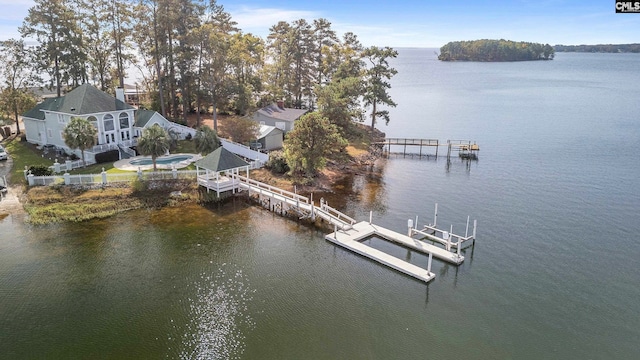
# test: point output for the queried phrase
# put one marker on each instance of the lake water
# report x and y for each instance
(553, 273)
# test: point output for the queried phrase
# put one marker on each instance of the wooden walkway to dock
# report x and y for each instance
(347, 233)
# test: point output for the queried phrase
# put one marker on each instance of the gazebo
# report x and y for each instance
(220, 170)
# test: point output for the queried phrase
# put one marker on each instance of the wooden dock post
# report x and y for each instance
(370, 217)
(429, 263)
(410, 226)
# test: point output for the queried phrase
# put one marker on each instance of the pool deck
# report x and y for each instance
(125, 164)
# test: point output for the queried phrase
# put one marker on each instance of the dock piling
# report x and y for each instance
(435, 217)
(466, 231)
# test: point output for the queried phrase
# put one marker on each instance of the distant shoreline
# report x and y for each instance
(599, 48)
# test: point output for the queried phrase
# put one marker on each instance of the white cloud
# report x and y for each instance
(259, 20)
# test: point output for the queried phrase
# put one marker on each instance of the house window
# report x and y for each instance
(61, 119)
(108, 123)
(124, 120)
(281, 125)
(49, 133)
(263, 123)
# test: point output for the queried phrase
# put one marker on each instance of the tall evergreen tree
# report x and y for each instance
(15, 69)
(376, 82)
(53, 24)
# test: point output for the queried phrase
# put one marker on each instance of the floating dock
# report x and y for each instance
(351, 240)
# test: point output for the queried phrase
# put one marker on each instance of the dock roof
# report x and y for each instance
(221, 159)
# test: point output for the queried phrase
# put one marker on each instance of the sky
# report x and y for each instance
(422, 23)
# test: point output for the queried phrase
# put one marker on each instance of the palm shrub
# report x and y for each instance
(153, 142)
(80, 134)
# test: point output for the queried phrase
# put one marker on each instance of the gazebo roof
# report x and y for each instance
(221, 159)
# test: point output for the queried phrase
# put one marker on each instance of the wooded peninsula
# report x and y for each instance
(600, 48)
(495, 50)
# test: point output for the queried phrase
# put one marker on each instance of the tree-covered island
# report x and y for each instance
(495, 50)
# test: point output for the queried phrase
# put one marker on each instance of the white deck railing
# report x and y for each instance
(244, 151)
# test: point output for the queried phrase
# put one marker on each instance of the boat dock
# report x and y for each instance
(466, 149)
(351, 240)
(347, 233)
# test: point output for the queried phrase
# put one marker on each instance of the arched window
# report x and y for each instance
(108, 123)
(124, 120)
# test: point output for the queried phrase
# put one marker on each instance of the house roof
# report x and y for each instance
(266, 130)
(221, 159)
(282, 114)
(143, 116)
(83, 100)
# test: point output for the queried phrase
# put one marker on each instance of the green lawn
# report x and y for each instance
(25, 154)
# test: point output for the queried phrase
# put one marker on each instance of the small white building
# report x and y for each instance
(278, 116)
(270, 138)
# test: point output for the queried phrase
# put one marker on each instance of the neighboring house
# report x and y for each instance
(270, 138)
(278, 116)
(116, 121)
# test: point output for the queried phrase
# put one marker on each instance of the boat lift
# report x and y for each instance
(444, 237)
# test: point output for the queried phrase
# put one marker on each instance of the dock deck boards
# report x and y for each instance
(393, 262)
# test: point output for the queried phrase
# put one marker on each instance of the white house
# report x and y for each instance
(279, 116)
(118, 123)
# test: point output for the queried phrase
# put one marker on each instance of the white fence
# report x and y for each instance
(106, 178)
(70, 165)
(244, 151)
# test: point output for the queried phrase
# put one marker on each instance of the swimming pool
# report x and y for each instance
(177, 161)
(164, 160)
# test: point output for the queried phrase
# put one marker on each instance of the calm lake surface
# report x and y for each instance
(553, 273)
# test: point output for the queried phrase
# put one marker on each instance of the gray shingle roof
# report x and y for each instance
(143, 117)
(286, 114)
(83, 100)
(221, 159)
